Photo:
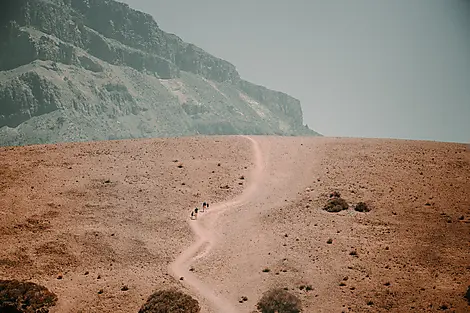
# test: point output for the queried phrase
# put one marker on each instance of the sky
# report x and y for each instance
(362, 68)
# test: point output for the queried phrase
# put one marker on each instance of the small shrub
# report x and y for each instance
(361, 207)
(353, 253)
(17, 296)
(336, 205)
(329, 241)
(279, 301)
(170, 301)
(266, 270)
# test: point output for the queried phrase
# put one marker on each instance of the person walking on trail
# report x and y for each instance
(192, 215)
(195, 212)
(203, 206)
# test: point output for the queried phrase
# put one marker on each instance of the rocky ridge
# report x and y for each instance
(75, 70)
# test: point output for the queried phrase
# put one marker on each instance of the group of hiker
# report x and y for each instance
(205, 205)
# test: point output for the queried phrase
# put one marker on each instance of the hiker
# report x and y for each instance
(195, 212)
(203, 206)
(192, 215)
(207, 205)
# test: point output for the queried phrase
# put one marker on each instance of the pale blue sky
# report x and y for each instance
(362, 68)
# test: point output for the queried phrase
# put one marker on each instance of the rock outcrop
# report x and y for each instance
(74, 70)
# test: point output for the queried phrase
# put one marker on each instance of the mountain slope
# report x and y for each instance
(73, 70)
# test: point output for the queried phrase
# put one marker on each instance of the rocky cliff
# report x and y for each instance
(74, 70)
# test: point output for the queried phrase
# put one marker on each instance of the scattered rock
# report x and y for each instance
(467, 295)
(100, 291)
(124, 288)
(181, 278)
(329, 241)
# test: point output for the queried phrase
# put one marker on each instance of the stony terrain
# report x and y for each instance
(87, 219)
(81, 70)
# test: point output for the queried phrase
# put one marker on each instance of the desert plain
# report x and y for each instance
(105, 224)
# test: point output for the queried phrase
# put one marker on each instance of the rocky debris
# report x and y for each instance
(18, 296)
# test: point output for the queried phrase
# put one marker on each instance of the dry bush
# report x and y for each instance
(279, 301)
(170, 301)
(362, 207)
(25, 297)
(336, 205)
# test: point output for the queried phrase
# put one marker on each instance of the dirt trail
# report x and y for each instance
(206, 238)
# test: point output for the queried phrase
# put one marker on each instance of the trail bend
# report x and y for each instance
(206, 239)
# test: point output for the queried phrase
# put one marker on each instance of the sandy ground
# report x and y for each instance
(113, 210)
(119, 210)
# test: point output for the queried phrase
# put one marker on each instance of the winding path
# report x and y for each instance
(206, 238)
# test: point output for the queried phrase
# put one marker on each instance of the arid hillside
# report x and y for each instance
(103, 225)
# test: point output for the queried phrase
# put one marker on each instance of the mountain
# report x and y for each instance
(80, 70)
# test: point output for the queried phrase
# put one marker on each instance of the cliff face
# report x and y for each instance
(96, 69)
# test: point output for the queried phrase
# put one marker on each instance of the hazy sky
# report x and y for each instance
(362, 68)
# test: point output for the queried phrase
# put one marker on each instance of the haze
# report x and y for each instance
(398, 69)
